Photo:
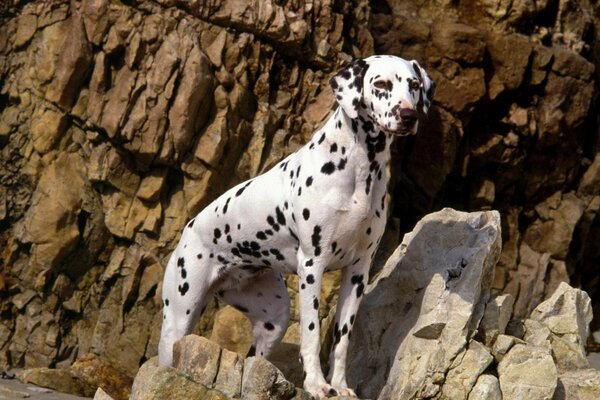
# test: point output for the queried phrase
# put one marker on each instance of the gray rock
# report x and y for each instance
(496, 317)
(403, 342)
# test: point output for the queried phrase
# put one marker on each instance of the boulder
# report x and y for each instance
(487, 387)
(161, 383)
(583, 384)
(567, 315)
(403, 342)
(97, 372)
(60, 380)
(527, 372)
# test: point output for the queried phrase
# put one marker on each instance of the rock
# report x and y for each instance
(262, 381)
(229, 377)
(98, 373)
(496, 316)
(198, 358)
(502, 345)
(60, 380)
(121, 120)
(581, 384)
(527, 372)
(232, 330)
(421, 284)
(10, 393)
(75, 61)
(102, 395)
(51, 221)
(465, 370)
(487, 387)
(162, 383)
(567, 315)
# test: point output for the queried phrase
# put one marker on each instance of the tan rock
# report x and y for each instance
(527, 372)
(497, 314)
(578, 384)
(197, 357)
(163, 383)
(232, 330)
(26, 27)
(487, 387)
(465, 370)
(57, 379)
(502, 345)
(567, 314)
(73, 64)
(102, 395)
(263, 381)
(47, 128)
(51, 221)
(97, 372)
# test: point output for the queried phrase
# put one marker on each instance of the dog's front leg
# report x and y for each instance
(310, 272)
(354, 280)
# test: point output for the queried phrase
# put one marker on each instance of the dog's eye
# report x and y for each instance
(415, 85)
(381, 85)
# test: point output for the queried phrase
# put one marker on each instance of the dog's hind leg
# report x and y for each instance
(186, 290)
(265, 301)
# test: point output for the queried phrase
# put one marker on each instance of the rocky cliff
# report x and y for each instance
(121, 120)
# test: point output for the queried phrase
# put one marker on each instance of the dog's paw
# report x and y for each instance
(347, 392)
(320, 391)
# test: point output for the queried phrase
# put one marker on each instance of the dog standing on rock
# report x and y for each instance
(322, 208)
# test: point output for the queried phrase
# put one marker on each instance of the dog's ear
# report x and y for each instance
(428, 87)
(347, 86)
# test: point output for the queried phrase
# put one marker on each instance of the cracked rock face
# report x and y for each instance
(121, 120)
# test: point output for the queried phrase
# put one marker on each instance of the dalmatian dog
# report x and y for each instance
(322, 208)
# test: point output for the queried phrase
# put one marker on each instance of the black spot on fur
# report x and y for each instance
(167, 302)
(226, 206)
(261, 235)
(269, 326)
(316, 303)
(180, 262)
(309, 181)
(280, 216)
(316, 239)
(321, 139)
(309, 262)
(311, 326)
(183, 288)
(342, 164)
(241, 190)
(328, 168)
(310, 279)
(306, 214)
(333, 148)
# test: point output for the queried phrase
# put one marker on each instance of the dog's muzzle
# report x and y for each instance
(407, 120)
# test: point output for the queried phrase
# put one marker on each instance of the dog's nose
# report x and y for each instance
(408, 117)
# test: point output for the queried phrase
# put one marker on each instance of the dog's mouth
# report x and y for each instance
(401, 131)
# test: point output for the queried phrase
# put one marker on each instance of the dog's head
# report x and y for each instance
(388, 90)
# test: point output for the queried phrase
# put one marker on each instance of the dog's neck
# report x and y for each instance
(366, 134)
